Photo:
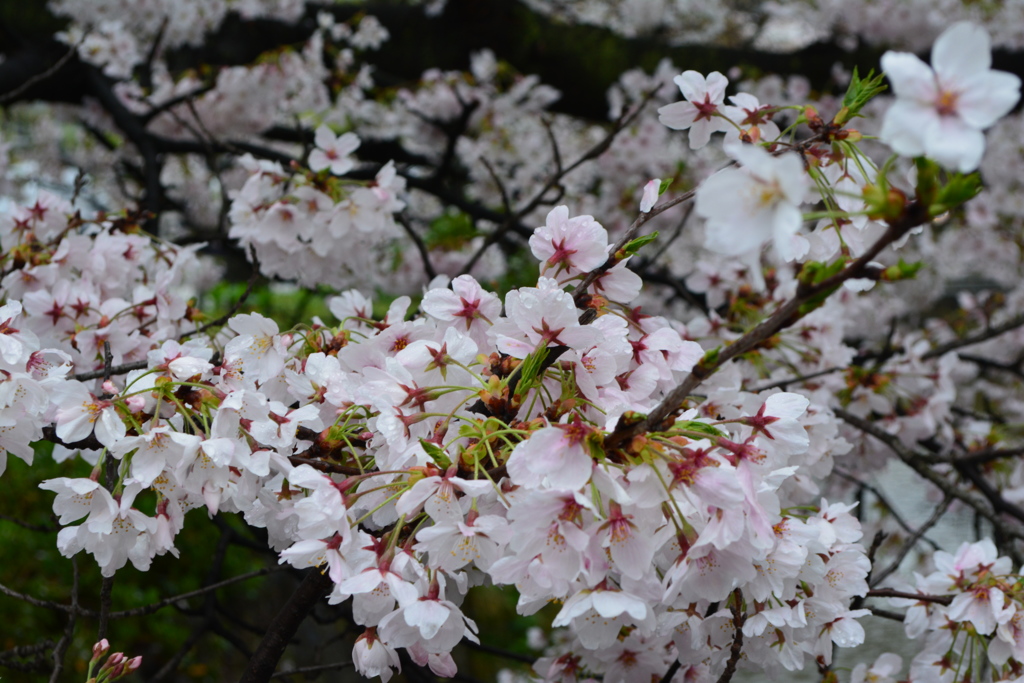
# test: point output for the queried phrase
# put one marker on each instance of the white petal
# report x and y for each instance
(987, 98)
(955, 145)
(692, 84)
(903, 128)
(677, 116)
(962, 52)
(909, 76)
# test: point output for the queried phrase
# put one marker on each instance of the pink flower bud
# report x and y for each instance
(650, 195)
(99, 649)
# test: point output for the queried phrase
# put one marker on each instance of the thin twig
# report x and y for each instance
(153, 607)
(786, 315)
(783, 383)
(1011, 324)
(253, 278)
(31, 527)
(421, 246)
(42, 76)
(940, 510)
(498, 652)
(312, 669)
(69, 628)
(882, 499)
(613, 253)
(920, 464)
(110, 371)
(920, 597)
(667, 678)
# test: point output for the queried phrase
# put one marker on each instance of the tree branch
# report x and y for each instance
(313, 588)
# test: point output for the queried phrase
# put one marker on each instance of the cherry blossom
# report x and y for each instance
(746, 207)
(941, 111)
(699, 113)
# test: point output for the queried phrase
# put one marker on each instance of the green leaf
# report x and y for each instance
(634, 245)
(529, 369)
(860, 92)
(436, 454)
(902, 271)
(710, 358)
(814, 272)
(927, 180)
(702, 427)
(664, 186)
(958, 190)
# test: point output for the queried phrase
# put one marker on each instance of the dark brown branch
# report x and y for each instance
(39, 77)
(421, 246)
(313, 669)
(921, 464)
(988, 455)
(205, 590)
(940, 510)
(1011, 324)
(884, 501)
(785, 316)
(110, 371)
(739, 617)
(324, 466)
(920, 597)
(69, 629)
(312, 589)
(498, 652)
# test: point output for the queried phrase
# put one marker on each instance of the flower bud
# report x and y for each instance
(99, 649)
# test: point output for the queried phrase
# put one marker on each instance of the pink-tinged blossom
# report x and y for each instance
(941, 110)
(618, 283)
(630, 545)
(598, 615)
(433, 624)
(453, 545)
(158, 449)
(569, 245)
(776, 420)
(114, 537)
(650, 196)
(79, 413)
(258, 350)
(182, 361)
(77, 498)
(753, 119)
(554, 457)
(985, 608)
(333, 151)
(15, 344)
(538, 317)
(746, 207)
(375, 590)
(1009, 640)
(700, 112)
(371, 657)
(471, 308)
(885, 669)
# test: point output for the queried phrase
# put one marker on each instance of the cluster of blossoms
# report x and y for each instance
(417, 456)
(315, 228)
(972, 610)
(478, 439)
